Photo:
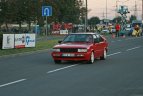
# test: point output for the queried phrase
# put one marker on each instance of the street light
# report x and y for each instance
(117, 5)
(123, 10)
(142, 10)
(86, 15)
(106, 9)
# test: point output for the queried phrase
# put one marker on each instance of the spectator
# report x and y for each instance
(117, 27)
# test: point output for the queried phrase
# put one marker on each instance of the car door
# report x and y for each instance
(97, 46)
(101, 45)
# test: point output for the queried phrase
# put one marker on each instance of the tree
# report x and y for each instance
(67, 10)
(19, 11)
(133, 18)
(5, 13)
(94, 21)
(117, 19)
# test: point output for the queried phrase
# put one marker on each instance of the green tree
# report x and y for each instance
(133, 18)
(5, 13)
(94, 21)
(67, 10)
(117, 19)
(19, 11)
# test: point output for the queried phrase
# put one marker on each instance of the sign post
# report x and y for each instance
(46, 11)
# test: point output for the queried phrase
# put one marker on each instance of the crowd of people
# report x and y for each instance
(136, 30)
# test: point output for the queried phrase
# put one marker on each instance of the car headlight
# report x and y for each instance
(82, 50)
(56, 50)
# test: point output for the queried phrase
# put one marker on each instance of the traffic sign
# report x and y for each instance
(46, 11)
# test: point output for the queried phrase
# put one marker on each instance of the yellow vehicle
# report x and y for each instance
(137, 28)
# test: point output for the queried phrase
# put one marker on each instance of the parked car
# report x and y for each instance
(105, 31)
(128, 29)
(113, 30)
(80, 47)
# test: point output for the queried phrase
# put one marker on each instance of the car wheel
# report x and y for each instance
(104, 56)
(57, 61)
(91, 61)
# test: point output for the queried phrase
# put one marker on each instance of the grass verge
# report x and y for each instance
(40, 45)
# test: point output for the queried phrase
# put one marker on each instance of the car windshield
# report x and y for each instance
(78, 38)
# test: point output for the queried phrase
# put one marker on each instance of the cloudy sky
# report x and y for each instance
(98, 7)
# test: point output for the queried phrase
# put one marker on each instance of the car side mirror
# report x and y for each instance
(59, 41)
(96, 41)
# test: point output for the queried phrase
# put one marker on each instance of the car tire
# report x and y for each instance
(104, 56)
(57, 61)
(91, 61)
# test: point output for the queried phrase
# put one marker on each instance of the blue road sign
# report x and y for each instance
(46, 11)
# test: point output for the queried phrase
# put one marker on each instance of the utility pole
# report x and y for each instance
(103, 15)
(116, 14)
(106, 21)
(135, 11)
(142, 10)
(86, 22)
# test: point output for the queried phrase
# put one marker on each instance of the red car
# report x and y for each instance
(80, 47)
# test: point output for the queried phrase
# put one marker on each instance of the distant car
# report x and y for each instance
(80, 47)
(113, 30)
(105, 31)
(128, 29)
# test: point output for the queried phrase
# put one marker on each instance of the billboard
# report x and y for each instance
(8, 41)
(19, 40)
(63, 32)
(55, 32)
(30, 40)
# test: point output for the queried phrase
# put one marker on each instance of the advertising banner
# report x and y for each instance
(55, 32)
(68, 26)
(8, 41)
(30, 40)
(63, 32)
(56, 27)
(19, 40)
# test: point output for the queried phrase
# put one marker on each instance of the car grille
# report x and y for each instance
(68, 50)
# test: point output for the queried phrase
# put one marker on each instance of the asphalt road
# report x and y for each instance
(121, 74)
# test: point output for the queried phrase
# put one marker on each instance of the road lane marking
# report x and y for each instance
(14, 82)
(133, 48)
(112, 41)
(114, 54)
(62, 68)
(119, 40)
(78, 64)
(129, 38)
(52, 71)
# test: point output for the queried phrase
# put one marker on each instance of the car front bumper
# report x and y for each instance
(71, 56)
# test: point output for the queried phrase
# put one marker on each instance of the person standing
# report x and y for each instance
(117, 27)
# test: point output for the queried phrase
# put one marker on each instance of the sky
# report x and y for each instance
(98, 8)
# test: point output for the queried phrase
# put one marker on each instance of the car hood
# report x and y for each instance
(73, 45)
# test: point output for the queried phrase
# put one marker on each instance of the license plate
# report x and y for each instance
(68, 55)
